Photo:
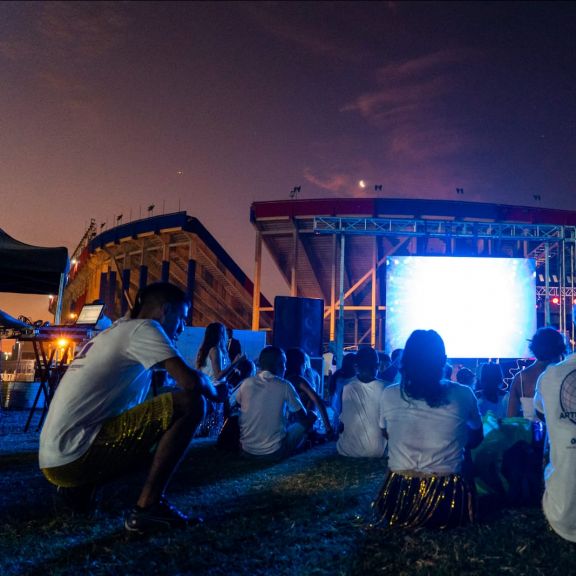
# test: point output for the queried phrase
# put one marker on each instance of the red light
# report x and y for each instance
(555, 300)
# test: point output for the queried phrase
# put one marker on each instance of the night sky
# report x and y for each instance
(107, 108)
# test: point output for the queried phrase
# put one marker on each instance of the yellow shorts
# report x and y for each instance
(124, 444)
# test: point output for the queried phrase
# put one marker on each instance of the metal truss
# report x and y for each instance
(444, 229)
(559, 291)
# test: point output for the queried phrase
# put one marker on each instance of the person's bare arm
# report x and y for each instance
(193, 380)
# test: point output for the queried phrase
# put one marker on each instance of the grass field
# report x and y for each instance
(305, 516)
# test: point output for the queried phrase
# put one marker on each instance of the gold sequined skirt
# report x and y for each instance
(124, 444)
(411, 499)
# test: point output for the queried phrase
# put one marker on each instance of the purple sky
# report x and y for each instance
(106, 108)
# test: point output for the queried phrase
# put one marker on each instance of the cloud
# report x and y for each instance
(407, 89)
(418, 144)
(335, 182)
(411, 107)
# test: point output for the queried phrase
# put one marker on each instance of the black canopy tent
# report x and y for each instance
(26, 269)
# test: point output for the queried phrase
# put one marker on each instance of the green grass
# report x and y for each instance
(303, 516)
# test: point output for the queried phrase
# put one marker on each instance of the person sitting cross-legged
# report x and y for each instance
(361, 435)
(429, 422)
(99, 425)
(262, 401)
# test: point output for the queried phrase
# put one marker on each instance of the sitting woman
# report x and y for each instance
(295, 373)
(548, 347)
(429, 423)
(212, 359)
(491, 390)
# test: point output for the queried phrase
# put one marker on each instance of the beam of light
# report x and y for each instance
(482, 307)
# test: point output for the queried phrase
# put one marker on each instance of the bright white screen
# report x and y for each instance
(482, 307)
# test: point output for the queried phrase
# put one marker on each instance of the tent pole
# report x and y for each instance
(60, 298)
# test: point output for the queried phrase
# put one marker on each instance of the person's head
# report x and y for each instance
(385, 361)
(422, 367)
(490, 381)
(396, 356)
(165, 303)
(273, 359)
(367, 363)
(214, 337)
(295, 362)
(548, 345)
(465, 376)
(348, 368)
(229, 333)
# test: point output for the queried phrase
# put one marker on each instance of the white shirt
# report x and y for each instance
(263, 400)
(362, 436)
(425, 439)
(556, 398)
(110, 375)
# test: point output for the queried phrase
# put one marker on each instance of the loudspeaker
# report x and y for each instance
(299, 322)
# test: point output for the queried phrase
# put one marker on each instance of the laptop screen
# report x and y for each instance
(90, 314)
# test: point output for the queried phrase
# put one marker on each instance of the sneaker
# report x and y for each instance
(160, 516)
(79, 500)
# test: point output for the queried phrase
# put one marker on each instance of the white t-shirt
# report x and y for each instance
(362, 436)
(556, 398)
(263, 400)
(425, 439)
(110, 375)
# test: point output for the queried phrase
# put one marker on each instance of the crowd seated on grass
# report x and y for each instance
(102, 424)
